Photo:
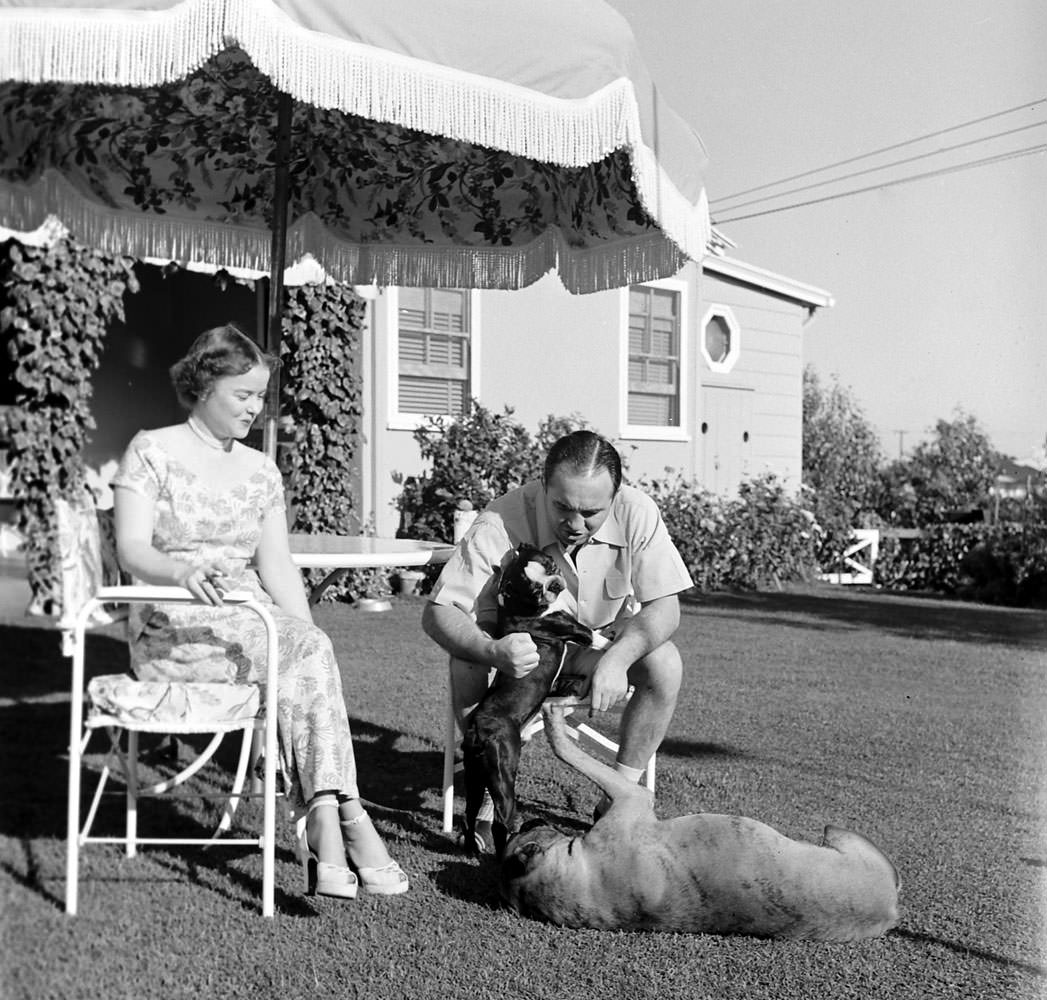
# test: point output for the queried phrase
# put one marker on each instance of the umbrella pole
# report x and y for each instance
(278, 259)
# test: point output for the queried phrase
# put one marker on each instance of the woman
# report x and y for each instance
(198, 509)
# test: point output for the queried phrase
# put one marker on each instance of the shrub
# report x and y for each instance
(952, 472)
(1002, 563)
(321, 406)
(761, 537)
(841, 462)
(476, 457)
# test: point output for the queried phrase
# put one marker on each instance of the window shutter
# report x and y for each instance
(433, 353)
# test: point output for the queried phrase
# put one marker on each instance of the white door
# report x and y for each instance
(725, 436)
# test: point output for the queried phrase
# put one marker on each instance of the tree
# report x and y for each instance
(948, 475)
(841, 458)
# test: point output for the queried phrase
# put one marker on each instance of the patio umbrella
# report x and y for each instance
(452, 143)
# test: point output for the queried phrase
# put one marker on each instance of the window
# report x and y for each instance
(434, 327)
(720, 339)
(654, 363)
(717, 339)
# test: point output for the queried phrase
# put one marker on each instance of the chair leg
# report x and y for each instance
(257, 749)
(229, 810)
(450, 740)
(131, 764)
(72, 825)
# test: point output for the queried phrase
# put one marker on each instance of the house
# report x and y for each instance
(700, 373)
(1018, 481)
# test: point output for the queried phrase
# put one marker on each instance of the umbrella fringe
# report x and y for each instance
(581, 270)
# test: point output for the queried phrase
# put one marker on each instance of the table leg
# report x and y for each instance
(333, 577)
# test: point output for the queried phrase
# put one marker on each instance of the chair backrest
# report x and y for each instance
(87, 543)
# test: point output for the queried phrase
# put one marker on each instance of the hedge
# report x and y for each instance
(1004, 563)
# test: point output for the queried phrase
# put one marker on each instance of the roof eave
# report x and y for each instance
(807, 295)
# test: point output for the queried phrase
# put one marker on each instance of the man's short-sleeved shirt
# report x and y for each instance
(630, 559)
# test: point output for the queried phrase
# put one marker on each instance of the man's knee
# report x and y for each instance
(661, 670)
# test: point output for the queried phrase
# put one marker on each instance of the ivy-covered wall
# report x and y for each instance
(59, 302)
(65, 306)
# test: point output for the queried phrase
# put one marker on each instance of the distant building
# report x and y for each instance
(1016, 481)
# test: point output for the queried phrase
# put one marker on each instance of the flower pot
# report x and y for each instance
(409, 581)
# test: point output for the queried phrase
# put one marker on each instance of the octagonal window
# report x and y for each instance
(720, 339)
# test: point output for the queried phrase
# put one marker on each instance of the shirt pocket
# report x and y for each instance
(617, 585)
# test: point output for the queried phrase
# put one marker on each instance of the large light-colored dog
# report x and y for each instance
(703, 872)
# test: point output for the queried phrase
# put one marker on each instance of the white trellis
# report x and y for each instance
(858, 559)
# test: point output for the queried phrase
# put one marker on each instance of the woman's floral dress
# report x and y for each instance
(195, 524)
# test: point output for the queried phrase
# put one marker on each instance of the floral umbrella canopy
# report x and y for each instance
(450, 143)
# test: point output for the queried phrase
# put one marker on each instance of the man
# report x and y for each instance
(623, 574)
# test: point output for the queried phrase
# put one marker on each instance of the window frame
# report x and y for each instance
(656, 432)
(734, 351)
(406, 421)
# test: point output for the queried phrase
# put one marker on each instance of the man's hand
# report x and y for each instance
(515, 654)
(610, 684)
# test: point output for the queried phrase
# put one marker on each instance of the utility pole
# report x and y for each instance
(901, 442)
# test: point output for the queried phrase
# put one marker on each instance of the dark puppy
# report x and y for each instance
(703, 873)
(491, 747)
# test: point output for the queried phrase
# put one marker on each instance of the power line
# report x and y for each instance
(885, 166)
(999, 158)
(884, 149)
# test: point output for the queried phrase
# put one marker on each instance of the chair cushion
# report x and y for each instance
(171, 706)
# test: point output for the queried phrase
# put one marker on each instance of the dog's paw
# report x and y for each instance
(482, 840)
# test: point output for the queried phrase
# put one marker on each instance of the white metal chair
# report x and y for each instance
(582, 732)
(119, 704)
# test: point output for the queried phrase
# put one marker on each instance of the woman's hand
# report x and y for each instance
(204, 582)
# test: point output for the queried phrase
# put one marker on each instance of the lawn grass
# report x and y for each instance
(919, 723)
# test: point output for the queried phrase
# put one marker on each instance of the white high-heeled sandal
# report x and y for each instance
(321, 878)
(388, 880)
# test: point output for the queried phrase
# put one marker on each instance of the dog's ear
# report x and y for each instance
(518, 863)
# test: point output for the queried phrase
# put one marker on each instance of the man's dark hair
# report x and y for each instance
(584, 453)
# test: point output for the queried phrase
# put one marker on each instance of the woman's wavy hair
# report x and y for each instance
(216, 353)
(584, 453)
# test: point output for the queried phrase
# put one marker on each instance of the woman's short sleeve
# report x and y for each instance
(274, 500)
(138, 470)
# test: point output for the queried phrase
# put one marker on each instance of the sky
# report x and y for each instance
(940, 284)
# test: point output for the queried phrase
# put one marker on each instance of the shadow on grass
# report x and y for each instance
(910, 616)
(34, 724)
(969, 952)
(34, 737)
(471, 881)
(697, 749)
